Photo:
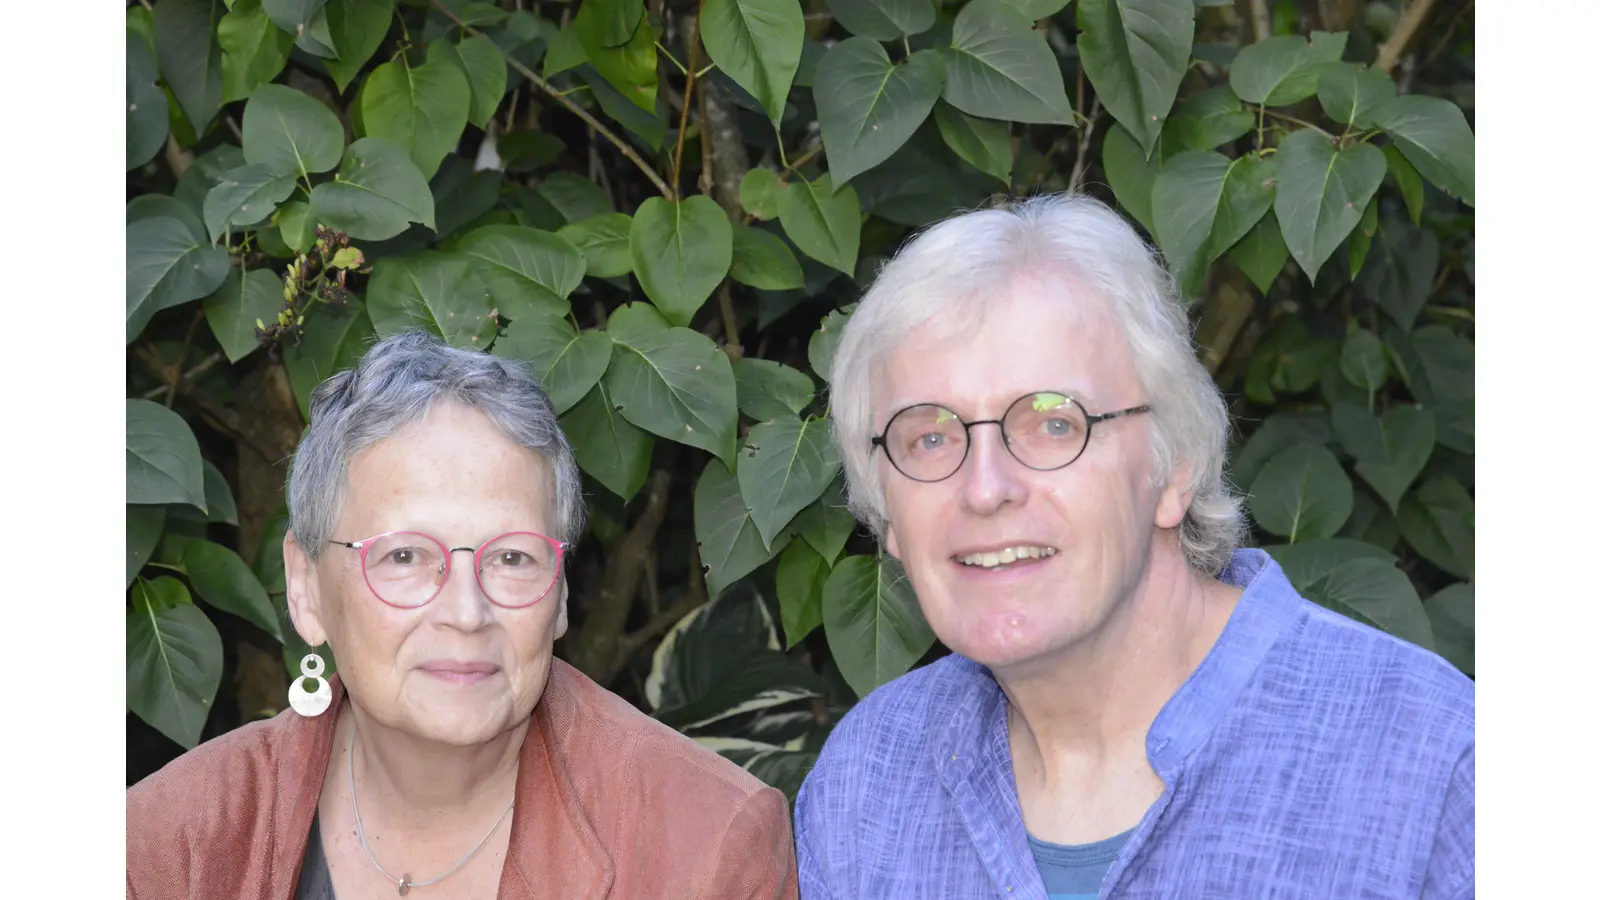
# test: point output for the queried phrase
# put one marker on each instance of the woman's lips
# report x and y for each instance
(460, 673)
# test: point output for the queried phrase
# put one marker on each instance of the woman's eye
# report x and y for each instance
(402, 557)
(512, 558)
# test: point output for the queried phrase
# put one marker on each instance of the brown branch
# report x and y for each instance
(730, 324)
(688, 96)
(658, 625)
(622, 146)
(1404, 30)
(1085, 135)
(804, 158)
(216, 415)
(597, 649)
(1260, 20)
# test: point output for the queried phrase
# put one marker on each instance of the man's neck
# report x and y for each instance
(1090, 706)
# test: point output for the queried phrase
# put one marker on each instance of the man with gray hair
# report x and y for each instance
(1133, 706)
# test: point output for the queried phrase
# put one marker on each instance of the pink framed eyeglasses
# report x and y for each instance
(407, 569)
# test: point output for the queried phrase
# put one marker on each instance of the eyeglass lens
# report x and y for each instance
(408, 568)
(1043, 430)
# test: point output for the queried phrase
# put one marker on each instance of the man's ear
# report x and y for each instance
(304, 598)
(1175, 497)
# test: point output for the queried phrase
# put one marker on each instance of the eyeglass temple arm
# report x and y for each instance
(1101, 417)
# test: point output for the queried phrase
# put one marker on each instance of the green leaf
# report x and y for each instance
(167, 266)
(1204, 203)
(1438, 522)
(819, 352)
(567, 362)
(756, 43)
(422, 109)
(730, 546)
(1131, 176)
(1309, 562)
(233, 309)
(1283, 70)
(771, 390)
(884, 20)
(1434, 135)
(681, 251)
(828, 523)
(174, 658)
(1277, 432)
(1038, 9)
(315, 39)
(377, 193)
(147, 104)
(245, 197)
(1399, 273)
(614, 22)
(1135, 53)
(144, 532)
(163, 458)
(786, 464)
(1406, 178)
(1349, 93)
(629, 67)
(1408, 440)
(1375, 593)
(357, 28)
(1450, 611)
(462, 195)
(801, 576)
(874, 626)
(576, 198)
(611, 449)
(1261, 254)
(825, 224)
(649, 125)
(998, 67)
(762, 260)
(219, 498)
(603, 240)
(480, 60)
(672, 382)
(1364, 360)
(1302, 493)
(760, 192)
(566, 52)
(984, 143)
(526, 270)
(335, 338)
(155, 206)
(1361, 239)
(289, 133)
(254, 50)
(440, 292)
(222, 579)
(293, 16)
(867, 106)
(185, 34)
(1205, 120)
(203, 175)
(1322, 193)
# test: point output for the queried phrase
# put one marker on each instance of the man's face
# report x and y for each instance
(1080, 535)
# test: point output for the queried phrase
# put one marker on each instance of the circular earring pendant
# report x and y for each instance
(314, 702)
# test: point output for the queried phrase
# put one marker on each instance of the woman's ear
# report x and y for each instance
(560, 627)
(304, 598)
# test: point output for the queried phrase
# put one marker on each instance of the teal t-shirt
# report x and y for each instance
(1074, 872)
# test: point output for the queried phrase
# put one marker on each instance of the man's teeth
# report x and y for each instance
(1006, 556)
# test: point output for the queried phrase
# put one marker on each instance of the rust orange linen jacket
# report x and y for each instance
(610, 803)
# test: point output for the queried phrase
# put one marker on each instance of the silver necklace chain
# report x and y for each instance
(404, 882)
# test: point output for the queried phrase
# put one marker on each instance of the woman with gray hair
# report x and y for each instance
(432, 501)
(1133, 707)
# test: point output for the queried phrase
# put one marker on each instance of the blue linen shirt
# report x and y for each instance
(1308, 756)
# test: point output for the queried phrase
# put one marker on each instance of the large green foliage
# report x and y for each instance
(677, 274)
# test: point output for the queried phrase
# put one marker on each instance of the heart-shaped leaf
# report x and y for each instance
(983, 143)
(819, 352)
(1203, 203)
(174, 657)
(828, 523)
(604, 241)
(567, 362)
(147, 104)
(730, 545)
(1205, 120)
(1132, 178)
(681, 250)
(357, 28)
(611, 449)
(1364, 361)
(759, 192)
(144, 532)
(1283, 70)
(233, 310)
(874, 626)
(786, 464)
(336, 337)
(222, 579)
(422, 109)
(185, 34)
(628, 68)
(245, 197)
(1136, 52)
(1376, 593)
(825, 224)
(1399, 274)
(801, 576)
(1261, 254)
(756, 43)
(1438, 521)
(254, 50)
(1302, 494)
(999, 67)
(526, 270)
(771, 390)
(378, 192)
(440, 292)
(1408, 440)
(1434, 135)
(289, 133)
(672, 382)
(867, 106)
(883, 20)
(762, 260)
(1322, 193)
(168, 265)
(480, 60)
(1349, 93)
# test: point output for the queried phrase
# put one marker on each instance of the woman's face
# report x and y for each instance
(458, 670)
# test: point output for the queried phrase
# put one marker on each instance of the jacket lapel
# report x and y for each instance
(302, 753)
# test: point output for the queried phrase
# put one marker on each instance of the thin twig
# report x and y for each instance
(804, 158)
(1260, 20)
(622, 146)
(1404, 30)
(1448, 34)
(730, 324)
(1301, 122)
(690, 77)
(183, 355)
(1085, 134)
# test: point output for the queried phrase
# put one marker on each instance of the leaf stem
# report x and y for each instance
(1301, 122)
(674, 60)
(622, 146)
(804, 158)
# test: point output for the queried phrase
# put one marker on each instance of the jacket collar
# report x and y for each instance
(554, 850)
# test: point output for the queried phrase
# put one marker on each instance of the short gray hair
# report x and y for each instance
(398, 380)
(955, 261)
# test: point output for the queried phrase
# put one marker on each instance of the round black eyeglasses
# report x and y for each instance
(1044, 431)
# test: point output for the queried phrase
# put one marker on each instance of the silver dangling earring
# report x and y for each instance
(310, 703)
